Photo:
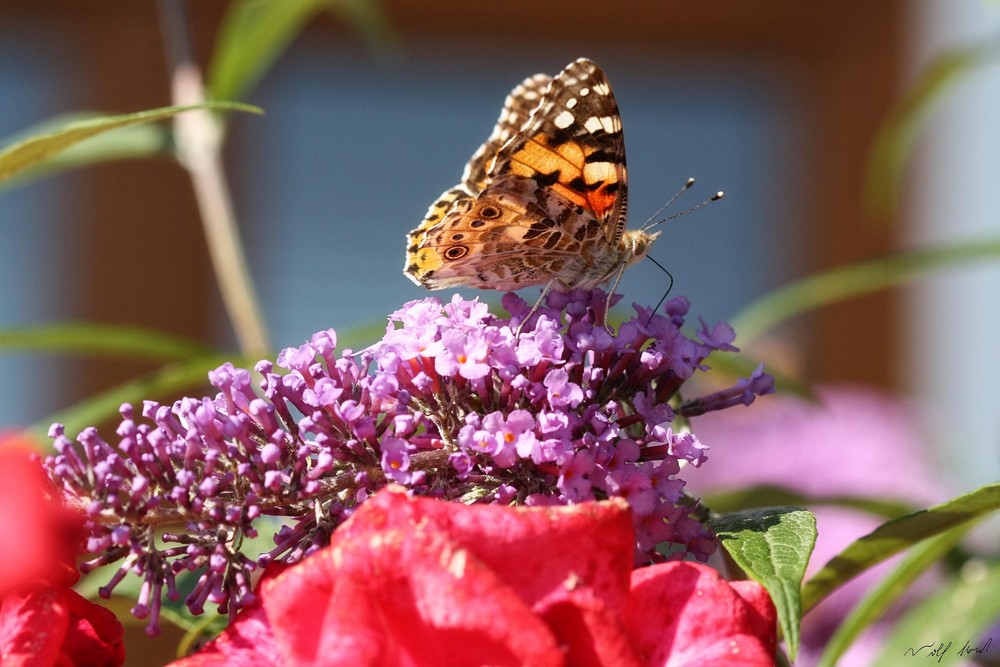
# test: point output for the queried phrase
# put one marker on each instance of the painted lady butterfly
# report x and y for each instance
(542, 202)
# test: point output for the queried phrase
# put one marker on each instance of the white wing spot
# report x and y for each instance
(595, 123)
(571, 103)
(602, 89)
(563, 120)
(584, 92)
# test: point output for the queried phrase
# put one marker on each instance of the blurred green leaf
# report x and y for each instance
(129, 142)
(360, 336)
(102, 339)
(30, 151)
(842, 283)
(163, 382)
(959, 613)
(894, 536)
(766, 495)
(253, 34)
(772, 545)
(369, 19)
(881, 597)
(740, 365)
(896, 137)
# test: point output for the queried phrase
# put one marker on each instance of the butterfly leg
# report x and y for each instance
(534, 309)
(603, 319)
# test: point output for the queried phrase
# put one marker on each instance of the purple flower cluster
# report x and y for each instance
(452, 403)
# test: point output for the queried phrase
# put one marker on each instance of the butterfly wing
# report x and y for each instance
(574, 145)
(552, 206)
(516, 111)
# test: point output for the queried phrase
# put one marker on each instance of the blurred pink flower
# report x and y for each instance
(853, 441)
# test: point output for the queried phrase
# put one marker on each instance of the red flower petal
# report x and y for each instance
(591, 632)
(32, 628)
(397, 588)
(534, 550)
(686, 614)
(58, 627)
(422, 582)
(40, 537)
(95, 634)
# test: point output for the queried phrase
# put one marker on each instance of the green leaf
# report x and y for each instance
(772, 545)
(894, 536)
(842, 283)
(765, 495)
(163, 382)
(102, 340)
(895, 139)
(368, 18)
(129, 142)
(881, 597)
(31, 151)
(253, 34)
(959, 612)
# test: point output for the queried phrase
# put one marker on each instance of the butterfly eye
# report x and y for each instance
(489, 212)
(455, 252)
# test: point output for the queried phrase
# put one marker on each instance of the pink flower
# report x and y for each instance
(852, 442)
(417, 581)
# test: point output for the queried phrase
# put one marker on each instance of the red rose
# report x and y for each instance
(44, 622)
(412, 581)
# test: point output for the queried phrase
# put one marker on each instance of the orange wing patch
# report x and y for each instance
(566, 169)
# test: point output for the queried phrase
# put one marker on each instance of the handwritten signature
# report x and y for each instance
(940, 649)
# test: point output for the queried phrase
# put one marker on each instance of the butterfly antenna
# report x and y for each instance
(716, 197)
(670, 286)
(670, 201)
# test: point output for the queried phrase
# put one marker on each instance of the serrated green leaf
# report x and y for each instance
(29, 152)
(897, 135)
(881, 597)
(253, 34)
(129, 142)
(894, 536)
(845, 282)
(960, 611)
(102, 339)
(769, 495)
(772, 545)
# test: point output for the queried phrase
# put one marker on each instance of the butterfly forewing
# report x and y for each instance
(574, 145)
(517, 109)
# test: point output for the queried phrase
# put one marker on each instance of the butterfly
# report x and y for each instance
(542, 202)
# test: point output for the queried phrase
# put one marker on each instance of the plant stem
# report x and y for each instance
(199, 143)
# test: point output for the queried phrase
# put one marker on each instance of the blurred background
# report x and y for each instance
(776, 103)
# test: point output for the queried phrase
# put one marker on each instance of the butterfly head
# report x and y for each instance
(635, 244)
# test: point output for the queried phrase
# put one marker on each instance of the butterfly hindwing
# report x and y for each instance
(515, 113)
